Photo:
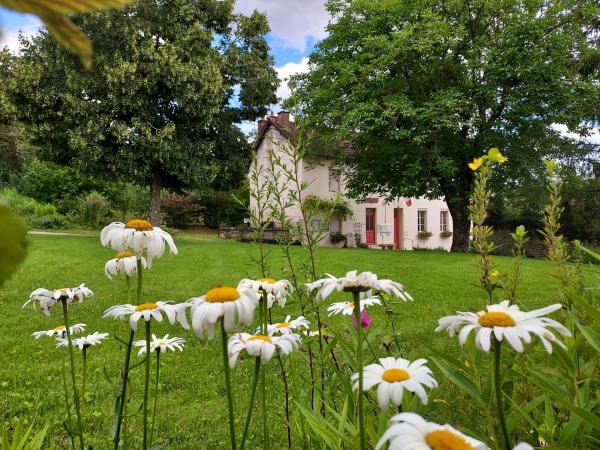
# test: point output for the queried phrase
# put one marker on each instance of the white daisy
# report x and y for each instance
(393, 376)
(309, 333)
(46, 298)
(357, 282)
(259, 345)
(123, 262)
(161, 345)
(60, 331)
(84, 341)
(138, 235)
(347, 308)
(506, 322)
(275, 289)
(523, 446)
(149, 311)
(288, 325)
(411, 431)
(234, 306)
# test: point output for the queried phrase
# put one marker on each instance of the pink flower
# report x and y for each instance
(365, 319)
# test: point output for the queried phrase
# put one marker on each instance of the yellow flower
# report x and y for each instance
(495, 156)
(477, 162)
(495, 274)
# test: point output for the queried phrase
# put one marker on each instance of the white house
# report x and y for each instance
(400, 224)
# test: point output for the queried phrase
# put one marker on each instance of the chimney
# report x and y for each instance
(283, 117)
(262, 123)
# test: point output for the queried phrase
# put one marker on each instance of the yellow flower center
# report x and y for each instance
(163, 343)
(446, 440)
(349, 305)
(395, 375)
(266, 280)
(146, 307)
(222, 295)
(283, 325)
(122, 255)
(259, 337)
(60, 328)
(496, 319)
(139, 225)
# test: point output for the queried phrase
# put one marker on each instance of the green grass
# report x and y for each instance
(192, 403)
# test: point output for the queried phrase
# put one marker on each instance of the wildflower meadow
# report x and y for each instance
(336, 373)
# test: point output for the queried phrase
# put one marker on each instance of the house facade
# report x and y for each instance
(403, 223)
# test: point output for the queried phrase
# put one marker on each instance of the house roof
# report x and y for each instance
(286, 127)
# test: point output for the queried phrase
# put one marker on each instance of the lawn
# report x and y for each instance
(192, 406)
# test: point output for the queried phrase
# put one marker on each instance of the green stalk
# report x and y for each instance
(139, 283)
(146, 384)
(228, 384)
(251, 405)
(263, 375)
(84, 351)
(155, 395)
(287, 399)
(74, 383)
(68, 405)
(359, 360)
(498, 389)
(123, 391)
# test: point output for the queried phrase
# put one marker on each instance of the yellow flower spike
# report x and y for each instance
(495, 156)
(477, 162)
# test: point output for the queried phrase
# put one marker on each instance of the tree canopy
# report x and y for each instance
(419, 89)
(168, 83)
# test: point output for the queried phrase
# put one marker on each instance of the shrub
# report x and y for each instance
(93, 210)
(337, 237)
(424, 234)
(50, 183)
(220, 208)
(36, 214)
(181, 210)
(446, 233)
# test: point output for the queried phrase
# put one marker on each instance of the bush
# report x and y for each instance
(58, 185)
(180, 210)
(36, 214)
(337, 237)
(126, 199)
(220, 208)
(93, 210)
(424, 234)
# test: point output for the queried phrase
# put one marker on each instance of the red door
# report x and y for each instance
(398, 230)
(370, 227)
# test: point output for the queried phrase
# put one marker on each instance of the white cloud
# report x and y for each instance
(592, 138)
(284, 72)
(293, 22)
(10, 37)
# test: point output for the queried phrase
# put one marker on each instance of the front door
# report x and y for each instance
(370, 227)
(398, 229)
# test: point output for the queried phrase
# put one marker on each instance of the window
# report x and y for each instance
(316, 224)
(334, 225)
(422, 220)
(334, 179)
(443, 220)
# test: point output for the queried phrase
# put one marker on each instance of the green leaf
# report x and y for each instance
(460, 379)
(591, 335)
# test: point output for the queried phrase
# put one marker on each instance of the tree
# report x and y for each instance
(418, 89)
(169, 80)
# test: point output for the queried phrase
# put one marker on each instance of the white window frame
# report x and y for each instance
(421, 226)
(444, 220)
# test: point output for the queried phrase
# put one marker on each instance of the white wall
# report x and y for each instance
(316, 174)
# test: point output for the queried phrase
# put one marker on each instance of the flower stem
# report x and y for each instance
(228, 384)
(84, 352)
(146, 383)
(287, 399)
(119, 417)
(155, 395)
(68, 406)
(498, 389)
(251, 405)
(139, 281)
(359, 361)
(74, 383)
(263, 396)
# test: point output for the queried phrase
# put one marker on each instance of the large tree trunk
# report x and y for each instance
(155, 200)
(456, 193)
(461, 226)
